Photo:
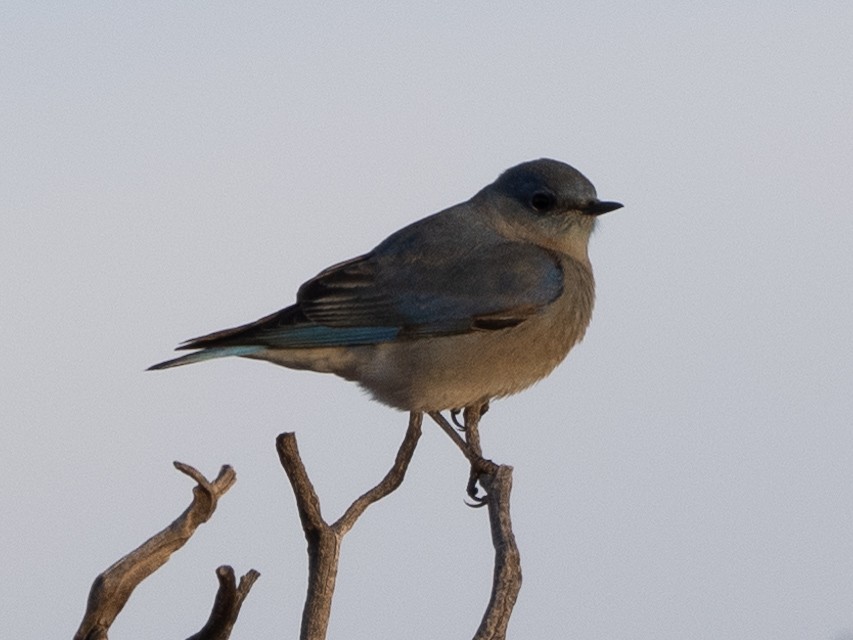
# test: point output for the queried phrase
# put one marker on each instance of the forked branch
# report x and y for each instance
(111, 589)
(226, 606)
(324, 540)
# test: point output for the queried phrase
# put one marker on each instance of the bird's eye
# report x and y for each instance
(542, 200)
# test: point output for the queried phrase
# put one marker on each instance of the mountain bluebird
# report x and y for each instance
(475, 302)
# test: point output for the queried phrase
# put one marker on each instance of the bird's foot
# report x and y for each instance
(480, 467)
(470, 447)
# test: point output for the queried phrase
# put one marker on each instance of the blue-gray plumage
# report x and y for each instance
(478, 301)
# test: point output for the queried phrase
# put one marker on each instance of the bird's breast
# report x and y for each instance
(437, 373)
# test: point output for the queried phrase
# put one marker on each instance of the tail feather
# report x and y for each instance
(206, 354)
(246, 333)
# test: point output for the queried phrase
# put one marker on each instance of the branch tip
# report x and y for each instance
(192, 472)
(111, 590)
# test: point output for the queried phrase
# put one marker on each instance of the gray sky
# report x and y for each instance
(169, 169)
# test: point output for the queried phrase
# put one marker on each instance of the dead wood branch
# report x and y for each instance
(497, 481)
(506, 580)
(324, 540)
(226, 606)
(112, 588)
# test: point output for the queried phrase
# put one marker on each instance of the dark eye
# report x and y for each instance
(543, 200)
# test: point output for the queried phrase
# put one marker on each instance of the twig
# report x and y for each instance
(506, 580)
(112, 588)
(324, 544)
(226, 606)
(324, 540)
(390, 482)
(497, 481)
(442, 422)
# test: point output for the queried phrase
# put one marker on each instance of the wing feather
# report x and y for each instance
(408, 287)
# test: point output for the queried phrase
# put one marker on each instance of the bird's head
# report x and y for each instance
(546, 202)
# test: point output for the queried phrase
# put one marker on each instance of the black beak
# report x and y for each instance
(601, 206)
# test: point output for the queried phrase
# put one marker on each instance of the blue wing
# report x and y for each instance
(449, 290)
(410, 286)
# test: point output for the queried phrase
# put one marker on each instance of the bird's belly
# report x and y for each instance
(456, 371)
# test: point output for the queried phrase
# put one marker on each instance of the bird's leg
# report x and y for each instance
(470, 446)
(479, 464)
(471, 416)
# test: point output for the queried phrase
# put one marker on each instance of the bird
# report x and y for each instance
(476, 302)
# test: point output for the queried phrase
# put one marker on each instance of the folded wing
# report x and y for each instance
(394, 294)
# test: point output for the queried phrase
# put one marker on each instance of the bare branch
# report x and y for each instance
(506, 581)
(307, 501)
(324, 544)
(497, 481)
(442, 422)
(226, 606)
(112, 588)
(324, 540)
(390, 482)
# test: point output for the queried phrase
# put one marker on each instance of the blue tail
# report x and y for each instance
(207, 354)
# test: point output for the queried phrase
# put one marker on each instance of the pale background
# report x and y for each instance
(169, 169)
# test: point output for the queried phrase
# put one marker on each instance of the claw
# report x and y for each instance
(471, 490)
(478, 468)
(478, 503)
(470, 447)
